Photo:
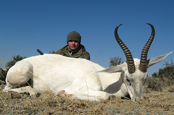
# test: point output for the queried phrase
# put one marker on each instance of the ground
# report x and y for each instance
(156, 103)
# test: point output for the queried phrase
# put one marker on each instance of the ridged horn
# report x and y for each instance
(130, 61)
(143, 60)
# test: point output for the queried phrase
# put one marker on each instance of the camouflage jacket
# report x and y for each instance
(79, 53)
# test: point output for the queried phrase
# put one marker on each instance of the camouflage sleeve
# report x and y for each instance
(86, 55)
(59, 51)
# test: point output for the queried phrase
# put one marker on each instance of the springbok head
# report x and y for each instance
(134, 71)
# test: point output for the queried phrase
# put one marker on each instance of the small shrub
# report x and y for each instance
(154, 84)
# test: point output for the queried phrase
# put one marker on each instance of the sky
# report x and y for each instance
(28, 25)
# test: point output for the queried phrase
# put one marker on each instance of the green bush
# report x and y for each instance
(115, 61)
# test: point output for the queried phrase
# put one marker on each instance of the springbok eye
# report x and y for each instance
(128, 81)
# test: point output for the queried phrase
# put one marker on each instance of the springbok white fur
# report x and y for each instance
(84, 79)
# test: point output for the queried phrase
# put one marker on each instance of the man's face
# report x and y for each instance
(73, 44)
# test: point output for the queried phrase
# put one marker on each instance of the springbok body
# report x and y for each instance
(82, 78)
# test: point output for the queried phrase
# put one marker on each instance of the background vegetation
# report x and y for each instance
(163, 78)
(13, 61)
(115, 61)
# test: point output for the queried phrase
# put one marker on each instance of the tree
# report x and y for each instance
(155, 74)
(12, 62)
(115, 61)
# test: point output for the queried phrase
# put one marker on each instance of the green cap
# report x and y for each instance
(74, 36)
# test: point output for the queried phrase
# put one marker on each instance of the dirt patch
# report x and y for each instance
(48, 104)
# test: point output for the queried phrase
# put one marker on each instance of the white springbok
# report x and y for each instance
(82, 78)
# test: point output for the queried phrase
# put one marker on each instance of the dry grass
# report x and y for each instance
(48, 104)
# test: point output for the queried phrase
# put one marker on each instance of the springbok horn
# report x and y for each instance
(143, 60)
(130, 61)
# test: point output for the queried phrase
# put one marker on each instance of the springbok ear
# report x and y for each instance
(155, 60)
(113, 69)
